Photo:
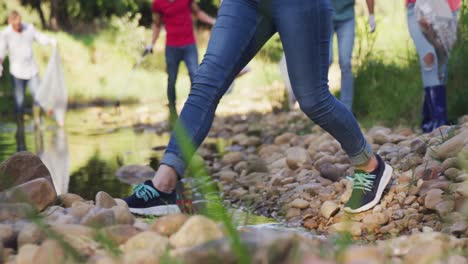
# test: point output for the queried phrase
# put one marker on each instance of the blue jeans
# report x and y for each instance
(20, 90)
(174, 55)
(432, 74)
(242, 28)
(345, 32)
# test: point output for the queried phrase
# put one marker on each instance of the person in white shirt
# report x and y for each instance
(17, 40)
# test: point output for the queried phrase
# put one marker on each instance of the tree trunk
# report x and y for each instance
(37, 5)
(58, 15)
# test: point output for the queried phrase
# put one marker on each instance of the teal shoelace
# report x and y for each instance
(145, 192)
(362, 181)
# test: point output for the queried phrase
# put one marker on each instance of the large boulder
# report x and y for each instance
(38, 192)
(21, 168)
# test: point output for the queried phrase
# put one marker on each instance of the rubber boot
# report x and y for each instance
(438, 98)
(426, 124)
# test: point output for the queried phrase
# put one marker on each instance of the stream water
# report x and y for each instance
(84, 156)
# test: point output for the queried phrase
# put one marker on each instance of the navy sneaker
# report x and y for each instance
(368, 188)
(147, 200)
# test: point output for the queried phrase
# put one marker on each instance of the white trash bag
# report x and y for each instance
(52, 93)
(438, 25)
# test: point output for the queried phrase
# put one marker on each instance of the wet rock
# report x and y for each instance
(381, 137)
(169, 224)
(20, 168)
(354, 228)
(50, 252)
(296, 157)
(452, 173)
(99, 218)
(104, 200)
(462, 188)
(119, 234)
(299, 203)
(227, 176)
(31, 234)
(26, 254)
(120, 202)
(7, 235)
(418, 146)
(428, 170)
(255, 164)
(39, 192)
(293, 212)
(459, 227)
(14, 211)
(332, 172)
(310, 224)
(433, 197)
(80, 209)
(363, 254)
(67, 199)
(134, 174)
(450, 163)
(451, 147)
(196, 231)
(147, 240)
(329, 209)
(398, 214)
(444, 207)
(123, 216)
(232, 158)
(284, 138)
(268, 150)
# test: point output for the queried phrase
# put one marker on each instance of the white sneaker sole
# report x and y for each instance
(387, 175)
(156, 210)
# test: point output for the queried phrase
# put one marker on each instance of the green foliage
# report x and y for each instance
(272, 50)
(457, 82)
(97, 175)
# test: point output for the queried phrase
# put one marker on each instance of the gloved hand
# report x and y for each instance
(148, 49)
(372, 24)
(1, 70)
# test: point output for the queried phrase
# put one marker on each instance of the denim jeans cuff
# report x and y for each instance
(175, 162)
(362, 157)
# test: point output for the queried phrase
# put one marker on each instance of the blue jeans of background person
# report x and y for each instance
(241, 29)
(345, 32)
(19, 86)
(435, 73)
(174, 55)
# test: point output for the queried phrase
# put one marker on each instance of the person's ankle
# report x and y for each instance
(369, 166)
(165, 179)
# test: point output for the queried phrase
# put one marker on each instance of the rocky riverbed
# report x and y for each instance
(275, 165)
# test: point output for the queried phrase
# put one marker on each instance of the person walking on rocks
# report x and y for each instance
(344, 23)
(241, 29)
(433, 70)
(180, 40)
(17, 40)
